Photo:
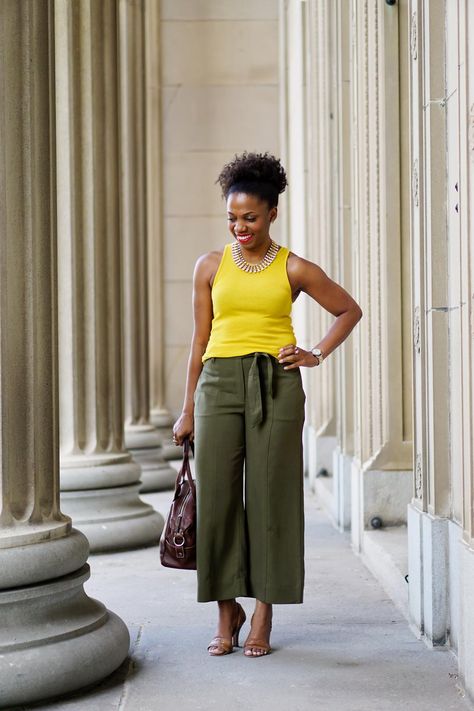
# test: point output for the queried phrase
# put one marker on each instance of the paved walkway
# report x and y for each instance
(345, 648)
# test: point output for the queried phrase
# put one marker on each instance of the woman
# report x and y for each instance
(244, 406)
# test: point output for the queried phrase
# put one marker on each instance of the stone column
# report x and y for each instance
(322, 415)
(160, 416)
(382, 388)
(461, 203)
(53, 638)
(295, 141)
(99, 479)
(141, 436)
(343, 258)
(441, 514)
(428, 534)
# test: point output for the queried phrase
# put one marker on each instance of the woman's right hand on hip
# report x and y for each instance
(182, 428)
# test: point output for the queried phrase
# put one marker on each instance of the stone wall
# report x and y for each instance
(220, 96)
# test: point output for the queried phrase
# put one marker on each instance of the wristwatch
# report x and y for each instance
(317, 352)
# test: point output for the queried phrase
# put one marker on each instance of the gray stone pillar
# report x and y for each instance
(53, 638)
(429, 543)
(141, 436)
(160, 416)
(99, 479)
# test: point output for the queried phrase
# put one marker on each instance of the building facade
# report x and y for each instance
(377, 131)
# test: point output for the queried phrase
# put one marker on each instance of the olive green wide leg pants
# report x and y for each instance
(248, 418)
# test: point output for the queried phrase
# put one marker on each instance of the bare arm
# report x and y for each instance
(311, 279)
(202, 310)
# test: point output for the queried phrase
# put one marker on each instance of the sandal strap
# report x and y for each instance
(254, 642)
(224, 644)
(221, 643)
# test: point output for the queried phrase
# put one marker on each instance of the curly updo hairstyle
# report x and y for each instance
(258, 174)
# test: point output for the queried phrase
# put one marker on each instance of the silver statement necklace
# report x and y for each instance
(270, 255)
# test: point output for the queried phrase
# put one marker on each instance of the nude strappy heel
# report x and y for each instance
(260, 644)
(223, 645)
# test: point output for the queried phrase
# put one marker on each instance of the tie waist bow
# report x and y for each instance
(256, 384)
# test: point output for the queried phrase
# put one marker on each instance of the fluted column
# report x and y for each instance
(294, 147)
(99, 479)
(343, 259)
(49, 629)
(322, 411)
(460, 126)
(322, 415)
(431, 503)
(141, 436)
(160, 416)
(382, 392)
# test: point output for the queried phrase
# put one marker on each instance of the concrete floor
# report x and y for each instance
(345, 648)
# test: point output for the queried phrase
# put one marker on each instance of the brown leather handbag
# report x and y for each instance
(178, 540)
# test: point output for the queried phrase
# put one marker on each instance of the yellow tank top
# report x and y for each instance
(252, 311)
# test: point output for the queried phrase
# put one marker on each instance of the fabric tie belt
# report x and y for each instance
(255, 385)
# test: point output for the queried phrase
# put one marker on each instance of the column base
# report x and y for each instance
(170, 451)
(342, 488)
(156, 474)
(54, 639)
(320, 456)
(162, 420)
(428, 575)
(144, 441)
(114, 518)
(42, 560)
(84, 472)
(382, 493)
(465, 611)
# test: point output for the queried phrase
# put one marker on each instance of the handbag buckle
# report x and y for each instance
(178, 539)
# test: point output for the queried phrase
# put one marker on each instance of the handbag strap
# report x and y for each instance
(185, 470)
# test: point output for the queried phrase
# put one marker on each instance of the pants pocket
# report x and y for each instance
(289, 396)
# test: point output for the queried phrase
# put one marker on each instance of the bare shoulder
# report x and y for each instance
(300, 270)
(206, 266)
(296, 262)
